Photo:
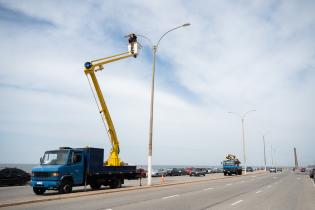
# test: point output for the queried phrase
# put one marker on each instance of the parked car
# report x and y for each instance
(182, 172)
(312, 173)
(198, 172)
(158, 173)
(162, 172)
(155, 173)
(210, 170)
(220, 170)
(143, 173)
(279, 169)
(14, 176)
(188, 170)
(272, 170)
(249, 169)
(302, 169)
(173, 172)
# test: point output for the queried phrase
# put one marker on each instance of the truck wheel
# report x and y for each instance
(116, 183)
(95, 186)
(65, 187)
(39, 191)
(224, 173)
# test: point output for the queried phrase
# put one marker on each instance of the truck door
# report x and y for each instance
(77, 167)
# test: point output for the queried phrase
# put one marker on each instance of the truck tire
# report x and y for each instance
(116, 183)
(95, 186)
(224, 173)
(39, 191)
(65, 187)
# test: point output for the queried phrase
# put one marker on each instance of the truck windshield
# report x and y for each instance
(229, 163)
(57, 157)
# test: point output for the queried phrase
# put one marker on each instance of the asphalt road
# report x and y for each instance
(285, 190)
(13, 194)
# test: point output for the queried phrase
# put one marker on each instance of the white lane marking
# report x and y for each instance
(269, 186)
(259, 191)
(236, 202)
(172, 196)
(229, 184)
(210, 188)
(298, 178)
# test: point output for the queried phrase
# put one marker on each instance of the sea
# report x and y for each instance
(28, 167)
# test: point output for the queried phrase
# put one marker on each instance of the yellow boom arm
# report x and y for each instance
(90, 69)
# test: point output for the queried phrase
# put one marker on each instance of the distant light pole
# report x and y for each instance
(243, 132)
(154, 49)
(271, 156)
(275, 159)
(265, 152)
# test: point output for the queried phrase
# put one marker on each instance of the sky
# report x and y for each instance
(235, 56)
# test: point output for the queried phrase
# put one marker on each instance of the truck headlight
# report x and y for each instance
(55, 174)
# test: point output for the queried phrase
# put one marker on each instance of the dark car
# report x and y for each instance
(302, 169)
(198, 172)
(173, 172)
(312, 173)
(249, 169)
(14, 176)
(182, 171)
(279, 169)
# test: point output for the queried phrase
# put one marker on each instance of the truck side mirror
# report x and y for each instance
(41, 160)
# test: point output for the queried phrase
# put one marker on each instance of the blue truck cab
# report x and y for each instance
(232, 167)
(66, 167)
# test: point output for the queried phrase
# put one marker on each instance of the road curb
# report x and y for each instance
(107, 191)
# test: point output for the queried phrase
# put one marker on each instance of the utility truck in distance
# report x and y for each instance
(231, 165)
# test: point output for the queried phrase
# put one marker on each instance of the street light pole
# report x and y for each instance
(275, 157)
(154, 50)
(243, 133)
(244, 153)
(151, 120)
(271, 156)
(265, 153)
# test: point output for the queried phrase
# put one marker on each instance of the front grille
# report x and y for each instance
(41, 174)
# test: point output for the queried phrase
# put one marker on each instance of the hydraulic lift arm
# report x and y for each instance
(97, 65)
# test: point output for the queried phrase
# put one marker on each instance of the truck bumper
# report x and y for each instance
(49, 185)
